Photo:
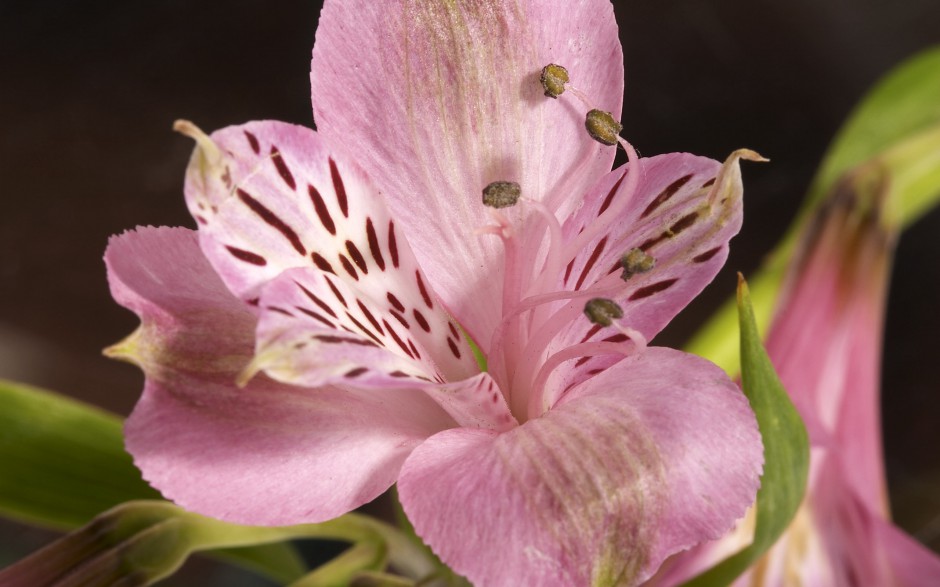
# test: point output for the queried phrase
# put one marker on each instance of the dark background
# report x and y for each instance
(89, 90)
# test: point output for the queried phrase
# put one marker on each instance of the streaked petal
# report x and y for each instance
(266, 454)
(682, 214)
(601, 489)
(446, 96)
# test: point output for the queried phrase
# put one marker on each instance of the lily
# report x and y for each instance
(317, 339)
(825, 341)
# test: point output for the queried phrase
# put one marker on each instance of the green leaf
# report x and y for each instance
(895, 131)
(786, 451)
(62, 462)
(902, 112)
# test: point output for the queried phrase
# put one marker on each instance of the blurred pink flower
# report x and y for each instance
(337, 275)
(825, 342)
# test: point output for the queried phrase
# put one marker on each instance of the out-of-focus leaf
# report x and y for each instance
(895, 131)
(141, 542)
(786, 451)
(62, 462)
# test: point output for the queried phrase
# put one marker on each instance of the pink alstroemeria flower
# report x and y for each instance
(825, 342)
(308, 347)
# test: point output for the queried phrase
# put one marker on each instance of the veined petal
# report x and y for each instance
(270, 196)
(266, 454)
(316, 330)
(601, 489)
(447, 97)
(682, 216)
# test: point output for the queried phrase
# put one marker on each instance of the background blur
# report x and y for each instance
(89, 90)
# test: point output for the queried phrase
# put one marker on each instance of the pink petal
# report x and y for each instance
(683, 213)
(438, 99)
(600, 490)
(316, 330)
(270, 196)
(265, 454)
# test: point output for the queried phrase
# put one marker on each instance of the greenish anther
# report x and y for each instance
(635, 261)
(602, 311)
(501, 194)
(553, 78)
(603, 127)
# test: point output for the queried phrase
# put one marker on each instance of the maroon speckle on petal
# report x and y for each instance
(590, 262)
(453, 330)
(647, 291)
(332, 339)
(664, 195)
(362, 328)
(339, 188)
(422, 322)
(706, 255)
(316, 316)
(414, 348)
(279, 311)
(392, 244)
(369, 316)
(568, 271)
(611, 194)
(582, 361)
(374, 247)
(617, 338)
(253, 142)
(594, 330)
(247, 256)
(355, 372)
(282, 168)
(453, 347)
(683, 223)
(357, 256)
(316, 300)
(398, 374)
(272, 219)
(348, 267)
(649, 244)
(709, 183)
(322, 211)
(336, 293)
(394, 302)
(397, 339)
(423, 290)
(322, 263)
(400, 318)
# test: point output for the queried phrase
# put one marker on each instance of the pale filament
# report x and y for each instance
(532, 320)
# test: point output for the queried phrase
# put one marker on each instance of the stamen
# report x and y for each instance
(553, 78)
(603, 127)
(501, 194)
(602, 311)
(635, 261)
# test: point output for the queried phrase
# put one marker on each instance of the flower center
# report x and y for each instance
(537, 306)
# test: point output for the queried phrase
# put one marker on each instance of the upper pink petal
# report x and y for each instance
(438, 99)
(598, 491)
(266, 454)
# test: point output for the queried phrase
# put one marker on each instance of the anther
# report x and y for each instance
(501, 194)
(553, 78)
(635, 261)
(603, 127)
(602, 311)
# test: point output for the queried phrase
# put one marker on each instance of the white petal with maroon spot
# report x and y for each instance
(317, 330)
(276, 197)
